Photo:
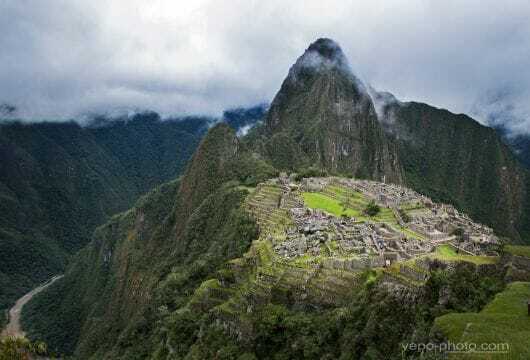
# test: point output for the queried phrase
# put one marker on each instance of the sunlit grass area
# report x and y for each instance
(503, 320)
(328, 204)
(352, 204)
(354, 197)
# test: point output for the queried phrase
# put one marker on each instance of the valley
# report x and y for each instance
(13, 327)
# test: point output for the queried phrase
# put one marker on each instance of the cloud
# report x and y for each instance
(62, 58)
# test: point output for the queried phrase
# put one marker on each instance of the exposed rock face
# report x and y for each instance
(324, 116)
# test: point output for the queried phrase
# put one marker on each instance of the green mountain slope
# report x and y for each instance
(503, 322)
(185, 229)
(188, 273)
(323, 116)
(454, 159)
(58, 181)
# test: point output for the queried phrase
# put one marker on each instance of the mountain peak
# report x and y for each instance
(322, 55)
(324, 116)
(326, 48)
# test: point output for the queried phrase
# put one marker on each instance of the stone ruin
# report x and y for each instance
(346, 243)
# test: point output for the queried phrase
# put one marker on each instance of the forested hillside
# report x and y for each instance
(180, 232)
(452, 158)
(58, 181)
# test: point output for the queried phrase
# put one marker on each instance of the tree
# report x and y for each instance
(372, 209)
(18, 348)
(404, 216)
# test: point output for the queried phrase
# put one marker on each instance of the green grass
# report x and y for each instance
(504, 320)
(518, 250)
(448, 253)
(411, 206)
(329, 205)
(412, 234)
(357, 203)
(353, 197)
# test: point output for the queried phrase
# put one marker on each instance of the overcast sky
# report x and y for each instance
(61, 59)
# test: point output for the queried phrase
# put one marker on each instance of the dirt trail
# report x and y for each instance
(13, 328)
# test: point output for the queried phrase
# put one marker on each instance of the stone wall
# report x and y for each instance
(521, 262)
(412, 273)
(353, 264)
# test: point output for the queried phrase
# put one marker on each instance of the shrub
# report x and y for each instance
(372, 209)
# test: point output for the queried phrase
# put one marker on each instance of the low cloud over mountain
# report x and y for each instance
(61, 59)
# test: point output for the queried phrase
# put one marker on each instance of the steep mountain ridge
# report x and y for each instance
(519, 143)
(323, 116)
(180, 232)
(453, 158)
(59, 180)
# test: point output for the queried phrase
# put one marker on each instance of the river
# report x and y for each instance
(13, 327)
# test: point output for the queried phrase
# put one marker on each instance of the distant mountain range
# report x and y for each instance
(60, 180)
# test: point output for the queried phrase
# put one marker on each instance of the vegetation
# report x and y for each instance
(453, 159)
(59, 181)
(502, 321)
(519, 250)
(239, 118)
(404, 215)
(449, 253)
(310, 172)
(372, 209)
(201, 212)
(279, 330)
(18, 348)
(330, 205)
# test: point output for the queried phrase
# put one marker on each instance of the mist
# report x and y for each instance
(65, 59)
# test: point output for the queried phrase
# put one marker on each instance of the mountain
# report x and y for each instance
(197, 268)
(181, 231)
(453, 158)
(194, 270)
(519, 143)
(7, 111)
(323, 116)
(502, 109)
(59, 181)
